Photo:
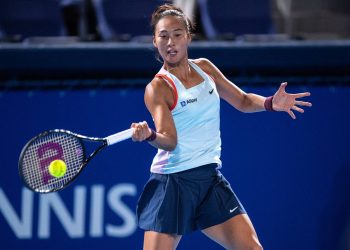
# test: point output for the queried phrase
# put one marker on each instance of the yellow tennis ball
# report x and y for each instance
(57, 168)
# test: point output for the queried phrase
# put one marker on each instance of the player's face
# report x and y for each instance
(172, 39)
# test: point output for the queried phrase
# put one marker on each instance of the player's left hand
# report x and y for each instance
(283, 101)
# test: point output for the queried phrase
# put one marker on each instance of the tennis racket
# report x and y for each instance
(63, 145)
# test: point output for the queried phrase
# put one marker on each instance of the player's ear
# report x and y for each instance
(189, 38)
(154, 42)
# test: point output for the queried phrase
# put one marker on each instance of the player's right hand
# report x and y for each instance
(141, 131)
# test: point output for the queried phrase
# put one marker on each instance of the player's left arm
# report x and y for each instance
(250, 102)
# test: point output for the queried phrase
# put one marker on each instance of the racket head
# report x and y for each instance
(44, 148)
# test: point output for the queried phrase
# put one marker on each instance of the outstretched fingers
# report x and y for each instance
(290, 112)
(301, 95)
(301, 103)
(287, 102)
(297, 109)
(283, 85)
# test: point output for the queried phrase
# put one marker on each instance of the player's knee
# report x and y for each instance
(255, 246)
(251, 246)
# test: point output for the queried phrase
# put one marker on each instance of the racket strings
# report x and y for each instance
(42, 151)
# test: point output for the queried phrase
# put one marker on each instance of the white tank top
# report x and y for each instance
(196, 113)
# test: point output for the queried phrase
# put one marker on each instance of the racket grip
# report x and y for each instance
(121, 136)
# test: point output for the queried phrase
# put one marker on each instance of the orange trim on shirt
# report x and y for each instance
(169, 80)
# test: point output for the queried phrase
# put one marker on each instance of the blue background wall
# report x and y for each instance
(292, 176)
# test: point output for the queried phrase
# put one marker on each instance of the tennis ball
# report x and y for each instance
(57, 168)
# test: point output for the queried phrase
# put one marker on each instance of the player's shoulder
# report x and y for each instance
(159, 91)
(207, 66)
(157, 82)
(203, 63)
(157, 85)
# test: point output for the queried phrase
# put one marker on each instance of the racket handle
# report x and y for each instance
(121, 136)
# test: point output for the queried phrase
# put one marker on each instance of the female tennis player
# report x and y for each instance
(186, 191)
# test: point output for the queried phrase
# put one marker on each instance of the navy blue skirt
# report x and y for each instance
(183, 202)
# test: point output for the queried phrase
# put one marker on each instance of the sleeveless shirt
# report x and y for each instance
(196, 113)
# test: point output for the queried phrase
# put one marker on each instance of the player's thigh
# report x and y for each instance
(235, 233)
(160, 241)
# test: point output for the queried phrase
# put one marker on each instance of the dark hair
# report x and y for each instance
(170, 10)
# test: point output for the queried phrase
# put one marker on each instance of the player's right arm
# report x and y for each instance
(158, 99)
